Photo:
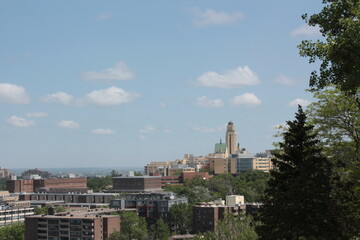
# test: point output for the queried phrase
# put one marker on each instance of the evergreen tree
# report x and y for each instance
(298, 203)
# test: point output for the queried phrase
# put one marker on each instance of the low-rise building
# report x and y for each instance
(136, 184)
(153, 206)
(84, 199)
(47, 185)
(12, 214)
(94, 224)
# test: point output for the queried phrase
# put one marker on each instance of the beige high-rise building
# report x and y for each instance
(231, 138)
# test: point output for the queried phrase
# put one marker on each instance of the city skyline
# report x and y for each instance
(121, 84)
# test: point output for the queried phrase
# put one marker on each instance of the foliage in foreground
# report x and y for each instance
(339, 52)
(298, 203)
(232, 228)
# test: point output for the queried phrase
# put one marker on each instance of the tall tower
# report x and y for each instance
(231, 138)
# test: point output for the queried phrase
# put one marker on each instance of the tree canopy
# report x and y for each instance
(131, 227)
(339, 53)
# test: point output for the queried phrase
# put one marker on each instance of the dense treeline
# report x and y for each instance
(251, 184)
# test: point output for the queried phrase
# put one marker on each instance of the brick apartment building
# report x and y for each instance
(206, 215)
(47, 185)
(85, 225)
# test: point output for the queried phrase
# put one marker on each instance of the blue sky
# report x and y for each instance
(122, 83)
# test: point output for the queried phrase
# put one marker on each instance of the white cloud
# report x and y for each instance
(247, 99)
(166, 130)
(306, 30)
(142, 137)
(10, 93)
(207, 129)
(119, 72)
(210, 103)
(285, 80)
(110, 97)
(239, 77)
(102, 131)
(299, 101)
(59, 97)
(163, 105)
(20, 122)
(211, 17)
(104, 16)
(37, 115)
(68, 124)
(147, 129)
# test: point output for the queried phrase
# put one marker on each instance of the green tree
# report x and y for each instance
(45, 209)
(131, 227)
(339, 53)
(114, 173)
(298, 203)
(251, 184)
(222, 185)
(159, 231)
(98, 184)
(337, 120)
(14, 231)
(180, 217)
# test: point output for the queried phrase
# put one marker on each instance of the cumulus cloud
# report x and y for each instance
(147, 129)
(306, 30)
(209, 103)
(10, 93)
(212, 17)
(20, 122)
(102, 131)
(37, 115)
(299, 101)
(119, 72)
(104, 16)
(163, 105)
(59, 97)
(203, 129)
(68, 124)
(142, 137)
(285, 80)
(111, 96)
(247, 99)
(166, 130)
(239, 77)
